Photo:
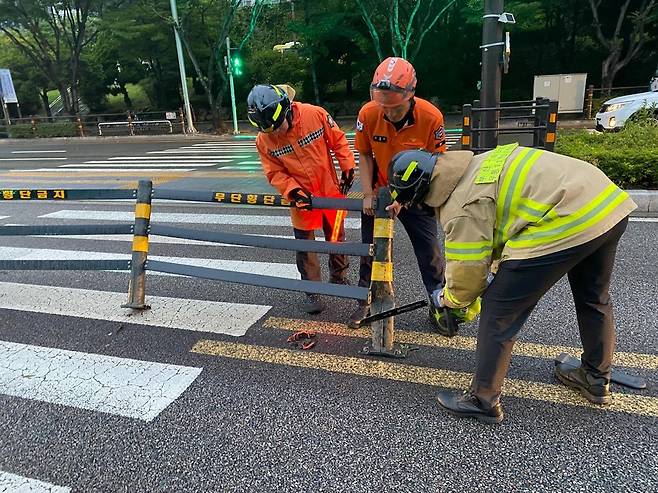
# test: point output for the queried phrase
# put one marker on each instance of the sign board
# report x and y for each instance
(7, 86)
(170, 115)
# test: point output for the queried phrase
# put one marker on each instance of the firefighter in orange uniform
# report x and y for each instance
(394, 121)
(294, 144)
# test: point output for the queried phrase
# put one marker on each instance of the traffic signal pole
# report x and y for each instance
(229, 70)
(492, 53)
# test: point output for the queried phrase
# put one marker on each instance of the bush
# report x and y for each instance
(629, 157)
(60, 129)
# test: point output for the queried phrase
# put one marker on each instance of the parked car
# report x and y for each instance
(614, 112)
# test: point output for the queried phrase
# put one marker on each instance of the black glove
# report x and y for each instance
(346, 180)
(302, 198)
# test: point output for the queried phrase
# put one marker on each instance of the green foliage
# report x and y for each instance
(46, 130)
(628, 157)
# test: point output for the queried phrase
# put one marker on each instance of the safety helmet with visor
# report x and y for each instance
(409, 176)
(267, 107)
(393, 83)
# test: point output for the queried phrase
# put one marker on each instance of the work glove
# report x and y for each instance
(302, 198)
(446, 320)
(346, 180)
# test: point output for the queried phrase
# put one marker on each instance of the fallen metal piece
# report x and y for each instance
(302, 339)
(616, 376)
(394, 311)
(398, 351)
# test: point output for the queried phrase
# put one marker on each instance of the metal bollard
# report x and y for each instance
(137, 285)
(466, 127)
(551, 126)
(78, 123)
(130, 124)
(381, 284)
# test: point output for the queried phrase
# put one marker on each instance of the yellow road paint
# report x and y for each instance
(530, 349)
(372, 368)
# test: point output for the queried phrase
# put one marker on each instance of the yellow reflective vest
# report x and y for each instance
(516, 203)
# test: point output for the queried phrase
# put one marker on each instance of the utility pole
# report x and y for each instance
(181, 68)
(229, 70)
(492, 56)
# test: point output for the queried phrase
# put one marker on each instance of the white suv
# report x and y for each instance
(614, 112)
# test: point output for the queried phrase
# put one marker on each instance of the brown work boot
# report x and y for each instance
(361, 312)
(595, 390)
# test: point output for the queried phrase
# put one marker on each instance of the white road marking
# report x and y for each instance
(175, 217)
(170, 158)
(4, 217)
(33, 152)
(125, 387)
(201, 153)
(276, 269)
(34, 159)
(106, 170)
(643, 219)
(249, 162)
(245, 168)
(152, 239)
(175, 313)
(144, 164)
(12, 483)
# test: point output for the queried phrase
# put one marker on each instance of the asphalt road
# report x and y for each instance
(203, 393)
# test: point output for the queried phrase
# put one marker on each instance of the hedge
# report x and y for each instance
(60, 129)
(628, 157)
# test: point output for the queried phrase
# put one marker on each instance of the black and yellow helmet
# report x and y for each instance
(409, 176)
(267, 107)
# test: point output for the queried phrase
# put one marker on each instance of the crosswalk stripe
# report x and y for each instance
(175, 217)
(217, 317)
(200, 152)
(644, 219)
(376, 368)
(521, 348)
(174, 158)
(121, 386)
(152, 239)
(142, 164)
(13, 483)
(107, 170)
(288, 271)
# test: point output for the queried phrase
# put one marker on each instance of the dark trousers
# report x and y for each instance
(421, 226)
(308, 263)
(516, 289)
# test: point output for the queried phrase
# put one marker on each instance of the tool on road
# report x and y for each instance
(394, 311)
(302, 339)
(632, 381)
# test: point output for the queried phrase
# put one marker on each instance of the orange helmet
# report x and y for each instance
(394, 82)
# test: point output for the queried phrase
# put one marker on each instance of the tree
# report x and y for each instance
(53, 35)
(406, 36)
(622, 45)
(203, 34)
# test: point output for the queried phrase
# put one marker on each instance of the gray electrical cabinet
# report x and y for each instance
(568, 89)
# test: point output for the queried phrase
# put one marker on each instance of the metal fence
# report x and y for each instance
(537, 117)
(382, 276)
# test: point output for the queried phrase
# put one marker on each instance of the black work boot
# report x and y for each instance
(358, 315)
(466, 405)
(594, 389)
(313, 304)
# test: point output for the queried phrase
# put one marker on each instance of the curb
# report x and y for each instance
(646, 200)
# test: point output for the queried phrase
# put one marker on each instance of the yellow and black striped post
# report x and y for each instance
(381, 283)
(137, 285)
(467, 114)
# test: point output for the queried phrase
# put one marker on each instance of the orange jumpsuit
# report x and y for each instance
(301, 158)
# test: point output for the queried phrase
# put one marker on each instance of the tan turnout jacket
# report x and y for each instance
(516, 203)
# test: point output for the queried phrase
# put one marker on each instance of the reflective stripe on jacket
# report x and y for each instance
(301, 158)
(516, 203)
